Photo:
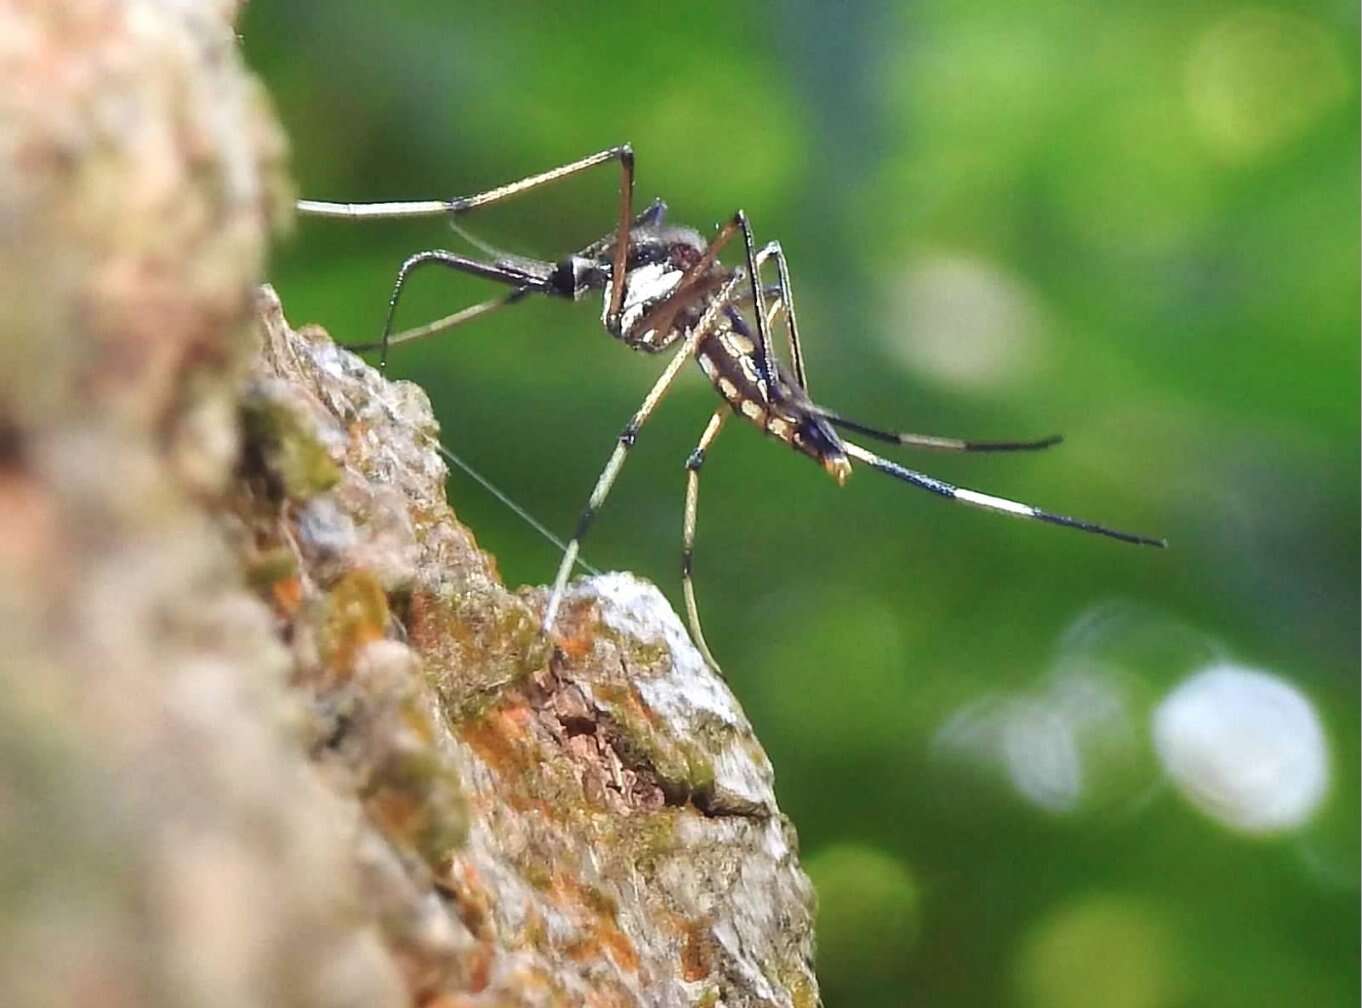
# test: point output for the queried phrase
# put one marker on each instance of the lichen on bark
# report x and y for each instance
(622, 838)
(272, 731)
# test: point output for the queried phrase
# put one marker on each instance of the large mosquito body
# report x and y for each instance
(664, 285)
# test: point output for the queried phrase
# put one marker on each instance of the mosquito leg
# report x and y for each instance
(693, 464)
(448, 322)
(626, 441)
(502, 272)
(988, 501)
(621, 260)
(754, 261)
(771, 291)
(932, 443)
(606, 480)
(624, 154)
(784, 292)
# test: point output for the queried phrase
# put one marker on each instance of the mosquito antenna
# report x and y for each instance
(988, 501)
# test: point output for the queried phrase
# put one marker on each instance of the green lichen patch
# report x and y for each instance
(269, 566)
(355, 613)
(648, 839)
(280, 445)
(416, 799)
(475, 645)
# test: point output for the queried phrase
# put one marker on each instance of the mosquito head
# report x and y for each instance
(576, 275)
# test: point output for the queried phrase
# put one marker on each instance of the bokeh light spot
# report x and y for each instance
(1101, 950)
(1257, 79)
(868, 920)
(966, 323)
(1244, 747)
(1067, 746)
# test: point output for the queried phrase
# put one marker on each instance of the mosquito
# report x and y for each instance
(664, 287)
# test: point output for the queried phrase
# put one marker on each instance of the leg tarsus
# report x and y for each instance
(693, 464)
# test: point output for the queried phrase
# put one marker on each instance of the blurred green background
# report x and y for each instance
(1134, 224)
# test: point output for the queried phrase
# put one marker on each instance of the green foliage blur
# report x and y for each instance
(1135, 224)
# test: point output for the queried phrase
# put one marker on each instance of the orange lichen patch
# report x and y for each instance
(618, 946)
(697, 951)
(431, 627)
(478, 967)
(395, 812)
(626, 703)
(286, 595)
(500, 739)
(31, 525)
(474, 643)
(356, 615)
(611, 997)
(461, 880)
(596, 912)
(576, 632)
(575, 646)
(636, 704)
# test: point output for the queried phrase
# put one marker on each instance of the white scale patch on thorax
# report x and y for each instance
(644, 287)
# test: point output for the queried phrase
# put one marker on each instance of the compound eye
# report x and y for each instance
(572, 277)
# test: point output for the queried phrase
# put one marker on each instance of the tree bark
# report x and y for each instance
(272, 731)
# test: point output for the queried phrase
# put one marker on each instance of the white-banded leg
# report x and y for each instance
(693, 464)
(987, 501)
(626, 441)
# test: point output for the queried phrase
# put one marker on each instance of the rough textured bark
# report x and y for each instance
(271, 729)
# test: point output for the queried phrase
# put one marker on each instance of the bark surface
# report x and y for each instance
(272, 731)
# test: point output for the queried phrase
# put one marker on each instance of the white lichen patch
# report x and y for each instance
(695, 702)
(741, 847)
